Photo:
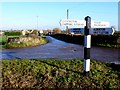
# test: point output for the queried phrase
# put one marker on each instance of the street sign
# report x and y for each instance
(98, 24)
(69, 22)
(94, 24)
(95, 31)
(102, 31)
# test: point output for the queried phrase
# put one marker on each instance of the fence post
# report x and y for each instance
(87, 46)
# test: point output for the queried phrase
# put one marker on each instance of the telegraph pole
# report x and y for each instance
(67, 13)
(67, 31)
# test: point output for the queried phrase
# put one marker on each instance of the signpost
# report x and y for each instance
(87, 37)
(87, 45)
(97, 27)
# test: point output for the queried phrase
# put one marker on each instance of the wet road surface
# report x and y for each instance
(61, 50)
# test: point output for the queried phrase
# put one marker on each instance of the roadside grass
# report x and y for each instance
(50, 73)
(12, 36)
(1, 47)
(108, 45)
(3, 39)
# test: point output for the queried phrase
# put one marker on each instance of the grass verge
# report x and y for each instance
(50, 73)
(3, 39)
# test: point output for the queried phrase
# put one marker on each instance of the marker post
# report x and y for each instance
(87, 46)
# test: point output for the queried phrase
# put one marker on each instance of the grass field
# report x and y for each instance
(58, 74)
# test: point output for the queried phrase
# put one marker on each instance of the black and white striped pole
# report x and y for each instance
(87, 46)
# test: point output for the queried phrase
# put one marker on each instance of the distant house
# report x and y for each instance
(34, 32)
(41, 31)
(30, 32)
(2, 33)
(25, 32)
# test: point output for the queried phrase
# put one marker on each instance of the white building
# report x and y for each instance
(2, 33)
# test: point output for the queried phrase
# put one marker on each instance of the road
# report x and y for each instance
(61, 50)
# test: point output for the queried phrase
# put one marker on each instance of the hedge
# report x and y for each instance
(11, 33)
(104, 40)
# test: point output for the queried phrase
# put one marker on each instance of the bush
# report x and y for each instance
(3, 39)
(12, 33)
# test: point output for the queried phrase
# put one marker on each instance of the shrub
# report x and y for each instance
(12, 33)
(3, 39)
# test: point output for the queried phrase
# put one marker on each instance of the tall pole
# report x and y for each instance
(37, 22)
(67, 13)
(67, 31)
(87, 45)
